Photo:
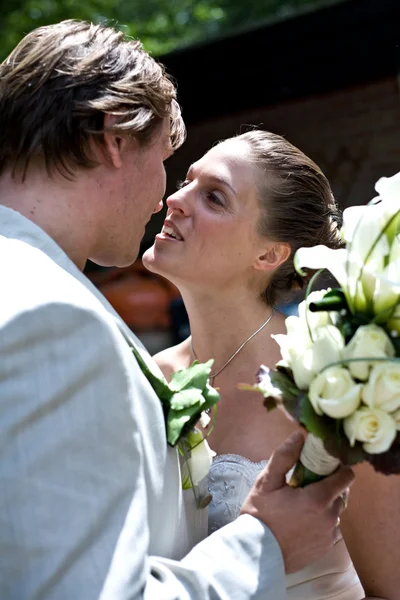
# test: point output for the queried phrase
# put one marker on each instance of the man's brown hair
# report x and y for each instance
(58, 83)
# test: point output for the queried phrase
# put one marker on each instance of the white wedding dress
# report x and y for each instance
(230, 479)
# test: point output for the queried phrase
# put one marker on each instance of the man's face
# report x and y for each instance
(135, 194)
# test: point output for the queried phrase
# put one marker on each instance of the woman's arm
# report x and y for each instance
(171, 359)
(165, 361)
(371, 528)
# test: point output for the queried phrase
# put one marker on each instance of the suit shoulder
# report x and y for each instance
(32, 279)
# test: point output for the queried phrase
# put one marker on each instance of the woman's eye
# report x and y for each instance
(181, 184)
(215, 198)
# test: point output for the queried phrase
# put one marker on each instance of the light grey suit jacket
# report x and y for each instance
(90, 496)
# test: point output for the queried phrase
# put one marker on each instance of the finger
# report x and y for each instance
(336, 511)
(330, 488)
(281, 461)
(338, 507)
(345, 498)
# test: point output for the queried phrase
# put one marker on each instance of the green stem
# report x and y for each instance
(302, 476)
(345, 361)
(308, 292)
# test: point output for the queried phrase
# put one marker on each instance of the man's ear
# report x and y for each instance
(273, 257)
(114, 143)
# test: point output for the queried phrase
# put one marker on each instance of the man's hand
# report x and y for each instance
(303, 520)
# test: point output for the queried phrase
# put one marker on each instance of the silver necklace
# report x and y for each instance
(213, 375)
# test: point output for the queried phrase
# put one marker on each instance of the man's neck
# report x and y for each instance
(51, 203)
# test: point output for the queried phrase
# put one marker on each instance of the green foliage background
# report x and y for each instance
(162, 25)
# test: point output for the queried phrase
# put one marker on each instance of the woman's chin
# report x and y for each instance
(148, 258)
(152, 260)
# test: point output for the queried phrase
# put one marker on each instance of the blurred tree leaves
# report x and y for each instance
(161, 25)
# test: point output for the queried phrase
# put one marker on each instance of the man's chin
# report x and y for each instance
(117, 261)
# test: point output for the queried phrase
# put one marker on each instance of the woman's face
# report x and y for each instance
(210, 231)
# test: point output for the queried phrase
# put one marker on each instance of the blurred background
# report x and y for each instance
(324, 74)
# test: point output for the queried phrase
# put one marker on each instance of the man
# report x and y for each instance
(90, 497)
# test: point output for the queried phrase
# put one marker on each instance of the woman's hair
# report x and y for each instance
(58, 83)
(297, 205)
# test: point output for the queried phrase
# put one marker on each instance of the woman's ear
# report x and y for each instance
(276, 254)
(114, 143)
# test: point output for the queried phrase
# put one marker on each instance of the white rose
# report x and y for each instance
(293, 355)
(315, 319)
(382, 389)
(327, 348)
(296, 337)
(307, 358)
(372, 426)
(301, 367)
(396, 417)
(334, 393)
(394, 321)
(293, 345)
(368, 341)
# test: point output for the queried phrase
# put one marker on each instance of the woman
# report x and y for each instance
(227, 243)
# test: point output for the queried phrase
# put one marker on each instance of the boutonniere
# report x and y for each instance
(186, 400)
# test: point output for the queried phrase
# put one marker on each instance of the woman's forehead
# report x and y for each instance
(228, 157)
(228, 162)
(232, 150)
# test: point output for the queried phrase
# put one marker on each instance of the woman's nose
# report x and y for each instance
(179, 202)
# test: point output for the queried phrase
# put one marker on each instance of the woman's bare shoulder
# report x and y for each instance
(171, 359)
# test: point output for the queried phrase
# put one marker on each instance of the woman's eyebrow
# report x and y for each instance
(216, 178)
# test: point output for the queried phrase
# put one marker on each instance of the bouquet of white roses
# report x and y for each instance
(340, 370)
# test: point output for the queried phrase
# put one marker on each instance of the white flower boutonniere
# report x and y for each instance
(199, 461)
(185, 401)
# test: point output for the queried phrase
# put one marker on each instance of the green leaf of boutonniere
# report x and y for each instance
(187, 398)
(211, 395)
(184, 399)
(188, 404)
(180, 422)
(160, 386)
(196, 376)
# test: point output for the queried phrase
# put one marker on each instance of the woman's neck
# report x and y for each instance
(220, 325)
